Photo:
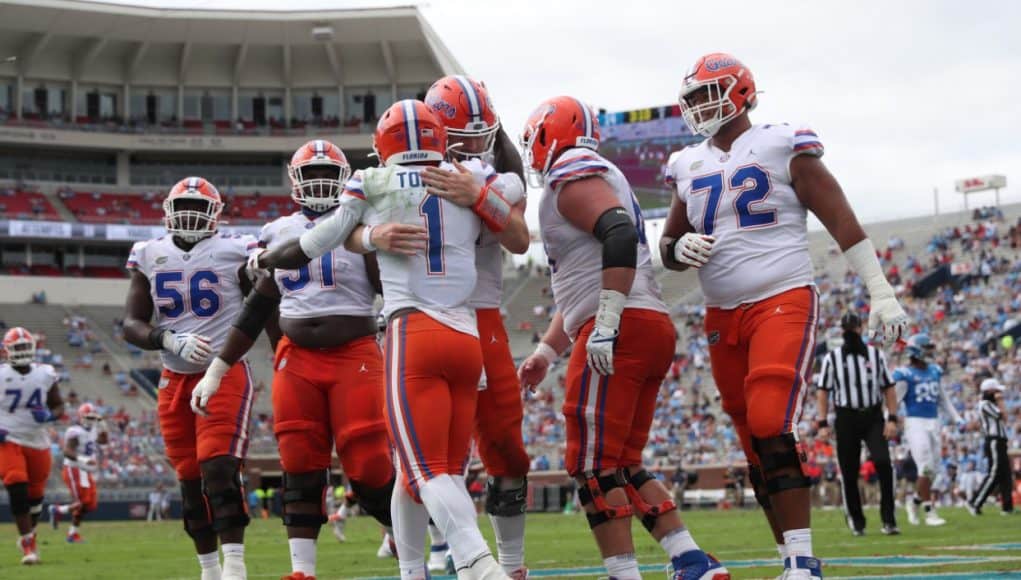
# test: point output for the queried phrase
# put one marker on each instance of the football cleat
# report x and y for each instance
(387, 549)
(889, 530)
(75, 538)
(437, 560)
(519, 574)
(484, 567)
(297, 576)
(698, 565)
(802, 568)
(933, 519)
(29, 551)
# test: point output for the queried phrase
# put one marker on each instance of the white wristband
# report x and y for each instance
(547, 352)
(367, 239)
(217, 368)
(611, 305)
(862, 259)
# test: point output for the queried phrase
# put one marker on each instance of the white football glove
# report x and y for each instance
(599, 347)
(888, 315)
(253, 268)
(208, 385)
(694, 249)
(89, 464)
(193, 348)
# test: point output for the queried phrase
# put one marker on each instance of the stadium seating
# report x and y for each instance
(25, 205)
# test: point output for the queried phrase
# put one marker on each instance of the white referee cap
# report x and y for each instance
(991, 384)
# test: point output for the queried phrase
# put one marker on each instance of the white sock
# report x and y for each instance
(345, 511)
(28, 536)
(72, 530)
(454, 513)
(782, 549)
(209, 561)
(678, 542)
(623, 567)
(410, 520)
(510, 541)
(303, 555)
(233, 552)
(436, 537)
(798, 542)
(64, 510)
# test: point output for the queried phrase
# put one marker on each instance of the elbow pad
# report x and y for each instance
(330, 233)
(256, 311)
(619, 237)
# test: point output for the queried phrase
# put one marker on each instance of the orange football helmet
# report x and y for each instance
(717, 89)
(557, 124)
(192, 209)
(318, 194)
(408, 132)
(20, 347)
(88, 414)
(464, 107)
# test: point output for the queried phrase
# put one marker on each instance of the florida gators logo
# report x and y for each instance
(443, 107)
(716, 63)
(714, 337)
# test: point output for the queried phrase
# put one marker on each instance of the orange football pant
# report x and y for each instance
(608, 417)
(191, 439)
(761, 355)
(19, 464)
(332, 398)
(499, 413)
(82, 487)
(432, 378)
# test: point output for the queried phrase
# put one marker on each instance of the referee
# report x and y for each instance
(857, 376)
(991, 411)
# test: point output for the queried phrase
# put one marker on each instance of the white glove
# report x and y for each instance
(193, 348)
(208, 385)
(89, 464)
(885, 313)
(694, 249)
(253, 268)
(599, 347)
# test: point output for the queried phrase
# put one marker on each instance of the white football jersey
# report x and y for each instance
(744, 198)
(197, 291)
(488, 252)
(21, 393)
(576, 256)
(333, 284)
(439, 281)
(88, 443)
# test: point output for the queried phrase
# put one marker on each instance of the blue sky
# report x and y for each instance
(907, 96)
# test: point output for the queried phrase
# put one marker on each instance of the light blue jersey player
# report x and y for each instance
(918, 385)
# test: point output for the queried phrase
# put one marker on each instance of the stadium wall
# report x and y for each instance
(63, 290)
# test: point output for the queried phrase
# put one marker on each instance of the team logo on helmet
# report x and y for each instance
(714, 64)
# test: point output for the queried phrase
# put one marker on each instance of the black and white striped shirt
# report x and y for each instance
(856, 381)
(992, 419)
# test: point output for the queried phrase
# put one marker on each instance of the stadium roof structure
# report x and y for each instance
(121, 44)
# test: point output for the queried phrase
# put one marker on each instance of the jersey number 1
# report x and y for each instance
(432, 211)
(752, 185)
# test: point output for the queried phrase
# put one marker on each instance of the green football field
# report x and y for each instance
(557, 546)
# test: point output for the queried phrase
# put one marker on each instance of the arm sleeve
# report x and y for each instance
(333, 231)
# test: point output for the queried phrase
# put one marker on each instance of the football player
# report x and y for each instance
(81, 461)
(432, 353)
(193, 280)
(31, 401)
(473, 132)
(328, 379)
(608, 303)
(739, 219)
(918, 385)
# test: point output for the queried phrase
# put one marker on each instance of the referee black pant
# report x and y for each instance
(999, 475)
(852, 427)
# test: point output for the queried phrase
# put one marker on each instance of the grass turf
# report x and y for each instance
(162, 550)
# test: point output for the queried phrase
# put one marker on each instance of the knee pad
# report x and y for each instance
(305, 488)
(505, 496)
(781, 463)
(198, 522)
(759, 486)
(221, 481)
(592, 491)
(18, 493)
(376, 500)
(647, 512)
